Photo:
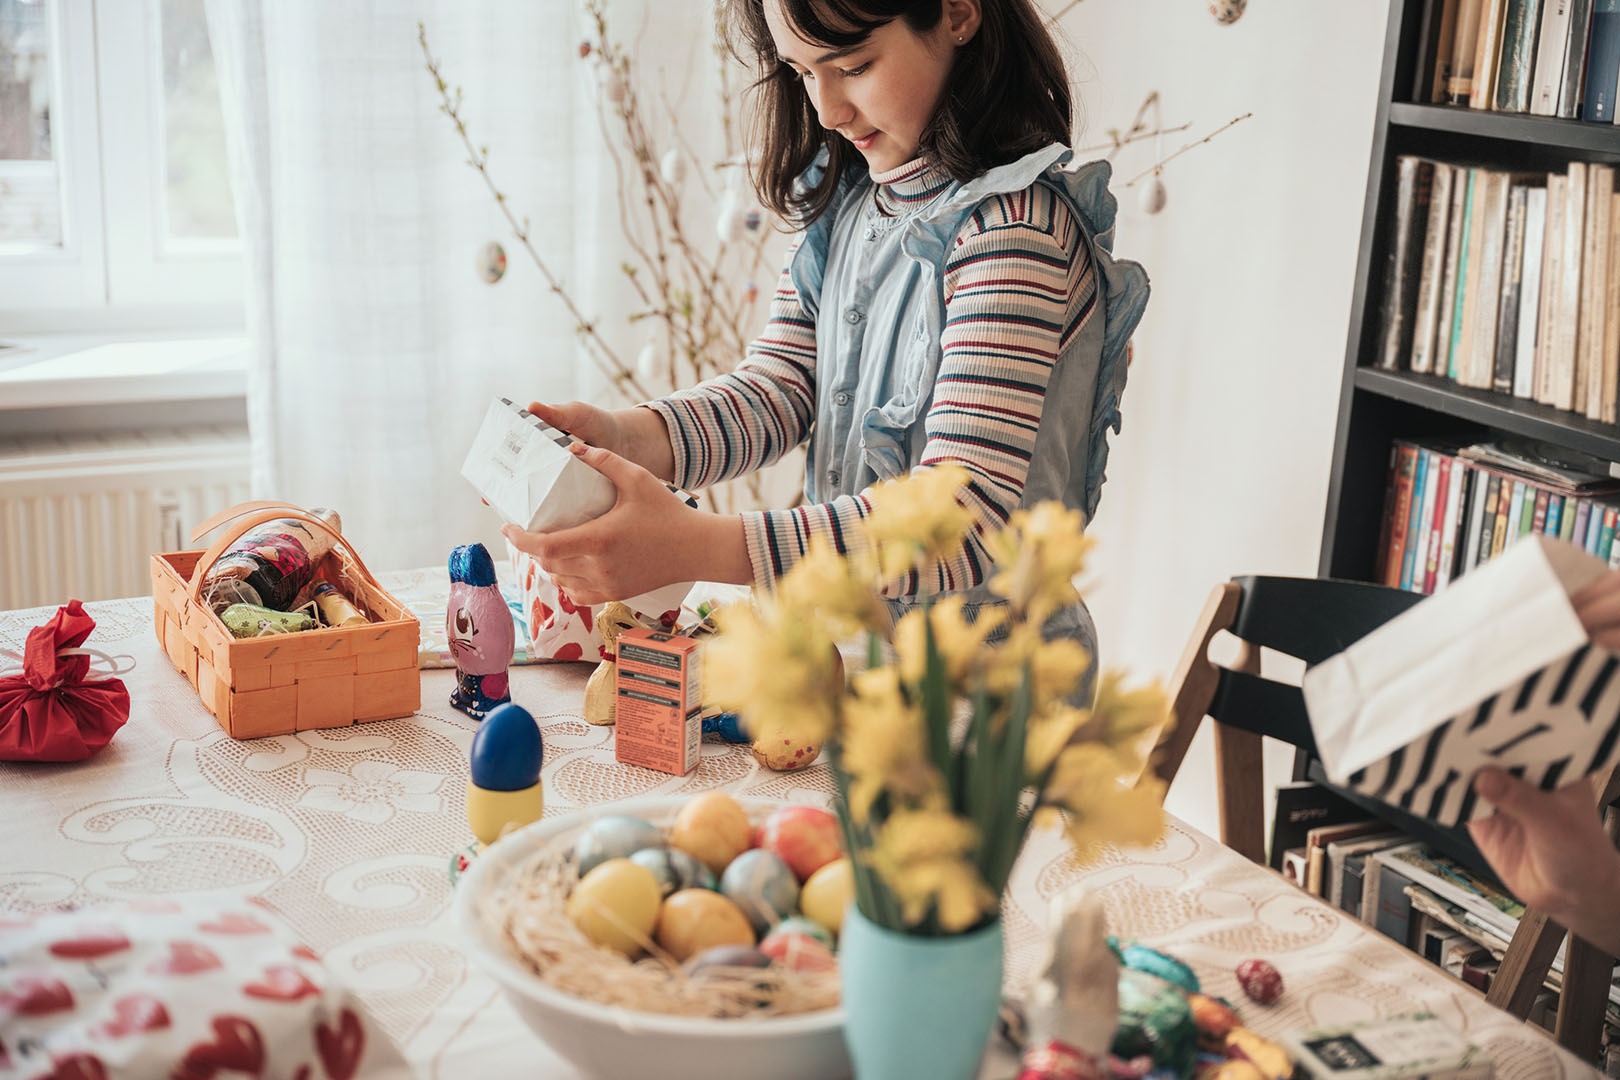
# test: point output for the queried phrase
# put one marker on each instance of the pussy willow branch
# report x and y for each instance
(1156, 166)
(478, 158)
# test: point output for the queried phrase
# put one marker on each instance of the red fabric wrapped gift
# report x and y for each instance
(50, 712)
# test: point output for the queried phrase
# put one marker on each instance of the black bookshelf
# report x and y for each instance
(1377, 407)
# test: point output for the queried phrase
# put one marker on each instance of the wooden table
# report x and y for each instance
(347, 833)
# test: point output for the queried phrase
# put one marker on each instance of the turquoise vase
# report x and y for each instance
(918, 1006)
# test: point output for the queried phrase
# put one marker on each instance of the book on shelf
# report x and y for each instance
(1547, 73)
(1475, 894)
(1602, 63)
(1517, 51)
(1595, 286)
(1414, 186)
(1573, 84)
(1430, 283)
(1300, 807)
(1384, 903)
(1506, 346)
(1461, 49)
(1524, 332)
(1345, 867)
(1317, 840)
(1487, 54)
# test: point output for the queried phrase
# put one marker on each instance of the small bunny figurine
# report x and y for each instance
(1074, 1006)
(601, 690)
(481, 632)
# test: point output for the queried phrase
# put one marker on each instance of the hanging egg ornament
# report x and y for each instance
(750, 294)
(753, 218)
(1227, 12)
(584, 50)
(614, 87)
(491, 262)
(728, 218)
(647, 360)
(1153, 196)
(672, 167)
(504, 789)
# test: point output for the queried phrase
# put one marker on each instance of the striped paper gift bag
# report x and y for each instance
(1496, 670)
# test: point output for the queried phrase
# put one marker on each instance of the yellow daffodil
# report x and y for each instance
(918, 789)
(779, 672)
(924, 858)
(960, 642)
(1038, 555)
(919, 518)
(884, 746)
(835, 588)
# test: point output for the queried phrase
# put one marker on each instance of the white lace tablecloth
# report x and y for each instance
(347, 834)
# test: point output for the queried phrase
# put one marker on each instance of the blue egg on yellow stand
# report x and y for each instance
(503, 792)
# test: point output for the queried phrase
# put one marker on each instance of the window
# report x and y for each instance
(114, 191)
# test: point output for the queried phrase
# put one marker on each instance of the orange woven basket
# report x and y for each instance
(279, 684)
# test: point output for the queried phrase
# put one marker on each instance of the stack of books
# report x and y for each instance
(1544, 57)
(1459, 920)
(1452, 506)
(1507, 282)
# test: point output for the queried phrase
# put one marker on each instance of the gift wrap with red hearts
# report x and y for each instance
(194, 988)
(559, 629)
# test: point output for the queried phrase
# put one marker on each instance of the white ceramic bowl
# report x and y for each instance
(612, 1043)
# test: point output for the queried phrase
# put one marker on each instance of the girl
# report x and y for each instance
(950, 299)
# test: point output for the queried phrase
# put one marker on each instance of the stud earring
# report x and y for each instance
(961, 41)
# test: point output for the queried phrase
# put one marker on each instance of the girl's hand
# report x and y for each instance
(585, 422)
(637, 435)
(1598, 606)
(650, 538)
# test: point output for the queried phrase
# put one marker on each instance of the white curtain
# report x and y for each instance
(377, 345)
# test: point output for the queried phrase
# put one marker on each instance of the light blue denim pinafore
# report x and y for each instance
(875, 286)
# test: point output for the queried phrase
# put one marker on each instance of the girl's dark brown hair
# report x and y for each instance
(1007, 93)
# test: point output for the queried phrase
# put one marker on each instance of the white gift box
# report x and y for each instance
(1495, 670)
(522, 468)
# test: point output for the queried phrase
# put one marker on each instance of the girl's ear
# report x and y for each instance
(962, 18)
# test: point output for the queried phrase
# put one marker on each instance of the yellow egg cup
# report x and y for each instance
(492, 814)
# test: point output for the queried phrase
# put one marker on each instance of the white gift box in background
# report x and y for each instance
(1496, 670)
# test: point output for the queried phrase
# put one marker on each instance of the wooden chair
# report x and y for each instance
(1312, 619)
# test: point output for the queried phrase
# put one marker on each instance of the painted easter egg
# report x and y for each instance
(1153, 197)
(617, 905)
(1227, 12)
(507, 750)
(1213, 1017)
(616, 836)
(693, 920)
(491, 262)
(1260, 980)
(675, 869)
(799, 924)
(805, 837)
(713, 827)
(828, 894)
(782, 754)
(761, 884)
(798, 952)
(1141, 958)
(726, 956)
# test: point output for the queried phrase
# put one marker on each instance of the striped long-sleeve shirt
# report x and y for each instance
(1018, 285)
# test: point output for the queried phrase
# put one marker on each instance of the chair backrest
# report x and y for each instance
(1312, 619)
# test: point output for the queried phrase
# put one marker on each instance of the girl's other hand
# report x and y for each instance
(585, 422)
(649, 539)
(1598, 606)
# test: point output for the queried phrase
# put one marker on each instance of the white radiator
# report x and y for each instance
(80, 516)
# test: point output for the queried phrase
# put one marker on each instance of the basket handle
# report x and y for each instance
(245, 516)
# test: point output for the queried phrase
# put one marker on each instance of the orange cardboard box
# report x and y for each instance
(659, 708)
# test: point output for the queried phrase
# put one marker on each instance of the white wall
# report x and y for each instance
(1222, 467)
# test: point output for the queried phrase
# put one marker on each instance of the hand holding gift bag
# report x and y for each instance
(51, 710)
(1498, 670)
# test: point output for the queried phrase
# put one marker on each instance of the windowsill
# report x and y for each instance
(57, 370)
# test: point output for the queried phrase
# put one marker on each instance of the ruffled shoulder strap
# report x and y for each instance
(1125, 292)
(809, 265)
